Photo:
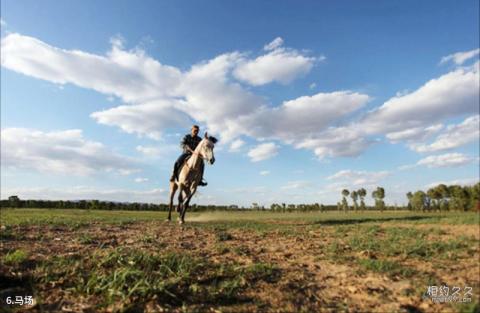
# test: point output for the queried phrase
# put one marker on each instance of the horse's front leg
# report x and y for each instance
(180, 199)
(188, 196)
(173, 189)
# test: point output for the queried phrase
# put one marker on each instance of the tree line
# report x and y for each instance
(378, 195)
(445, 198)
(439, 198)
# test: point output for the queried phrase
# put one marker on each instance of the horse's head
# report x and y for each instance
(208, 143)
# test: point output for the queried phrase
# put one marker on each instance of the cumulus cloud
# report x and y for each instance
(159, 97)
(140, 180)
(305, 116)
(236, 145)
(358, 178)
(129, 75)
(446, 160)
(298, 184)
(146, 119)
(346, 141)
(277, 42)
(65, 152)
(414, 134)
(460, 57)
(279, 65)
(263, 151)
(264, 173)
(452, 94)
(454, 136)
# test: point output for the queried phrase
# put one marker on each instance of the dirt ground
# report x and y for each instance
(310, 279)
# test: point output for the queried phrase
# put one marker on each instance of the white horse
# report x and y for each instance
(190, 176)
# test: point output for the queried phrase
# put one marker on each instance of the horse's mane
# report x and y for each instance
(213, 139)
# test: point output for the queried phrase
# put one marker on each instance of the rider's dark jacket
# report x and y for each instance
(190, 141)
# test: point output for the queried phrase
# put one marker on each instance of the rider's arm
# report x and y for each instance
(184, 145)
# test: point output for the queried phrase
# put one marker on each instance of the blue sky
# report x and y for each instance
(307, 98)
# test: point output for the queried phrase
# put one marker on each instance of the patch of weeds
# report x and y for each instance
(390, 268)
(337, 251)
(222, 248)
(124, 276)
(469, 307)
(85, 239)
(222, 235)
(425, 249)
(147, 239)
(241, 250)
(262, 271)
(15, 257)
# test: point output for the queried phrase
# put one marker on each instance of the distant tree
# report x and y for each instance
(362, 194)
(354, 196)
(444, 193)
(475, 197)
(409, 197)
(459, 198)
(14, 201)
(419, 200)
(435, 196)
(379, 195)
(345, 194)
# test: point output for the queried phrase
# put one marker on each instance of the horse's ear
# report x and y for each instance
(213, 139)
(206, 135)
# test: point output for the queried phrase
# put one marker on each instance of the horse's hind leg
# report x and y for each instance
(173, 189)
(180, 199)
(188, 196)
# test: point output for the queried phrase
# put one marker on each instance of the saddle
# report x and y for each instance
(180, 166)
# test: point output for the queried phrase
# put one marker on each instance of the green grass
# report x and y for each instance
(391, 268)
(129, 276)
(15, 257)
(259, 220)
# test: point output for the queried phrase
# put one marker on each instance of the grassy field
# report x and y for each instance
(89, 261)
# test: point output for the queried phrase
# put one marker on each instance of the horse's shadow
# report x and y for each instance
(369, 220)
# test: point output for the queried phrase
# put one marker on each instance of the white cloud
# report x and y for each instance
(88, 193)
(337, 141)
(358, 178)
(298, 184)
(280, 65)
(146, 119)
(312, 85)
(277, 42)
(263, 151)
(414, 134)
(460, 57)
(160, 97)
(149, 150)
(65, 152)
(454, 136)
(305, 116)
(446, 160)
(130, 75)
(264, 173)
(2, 22)
(236, 145)
(453, 94)
(140, 180)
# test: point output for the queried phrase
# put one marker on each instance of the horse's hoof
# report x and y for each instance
(180, 222)
(168, 220)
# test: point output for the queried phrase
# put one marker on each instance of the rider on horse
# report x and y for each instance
(188, 144)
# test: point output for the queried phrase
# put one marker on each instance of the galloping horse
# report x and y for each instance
(190, 175)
